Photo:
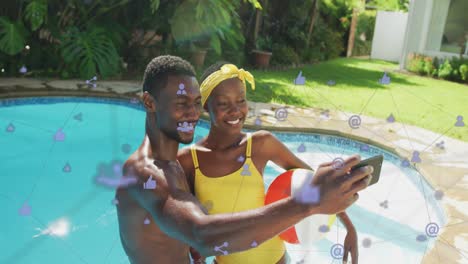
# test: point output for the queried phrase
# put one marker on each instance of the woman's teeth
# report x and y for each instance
(234, 122)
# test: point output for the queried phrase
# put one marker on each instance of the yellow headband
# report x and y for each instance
(227, 71)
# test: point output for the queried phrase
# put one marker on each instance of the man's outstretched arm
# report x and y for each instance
(179, 213)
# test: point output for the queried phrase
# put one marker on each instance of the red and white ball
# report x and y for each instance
(296, 183)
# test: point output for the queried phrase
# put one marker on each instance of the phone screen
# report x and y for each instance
(375, 162)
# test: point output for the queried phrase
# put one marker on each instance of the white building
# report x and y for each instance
(436, 28)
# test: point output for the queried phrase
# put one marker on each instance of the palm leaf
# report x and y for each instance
(255, 3)
(216, 44)
(90, 52)
(154, 5)
(36, 13)
(11, 36)
(193, 19)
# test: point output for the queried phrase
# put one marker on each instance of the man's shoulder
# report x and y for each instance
(184, 153)
(184, 156)
(140, 168)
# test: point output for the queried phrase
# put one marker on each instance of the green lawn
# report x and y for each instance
(424, 102)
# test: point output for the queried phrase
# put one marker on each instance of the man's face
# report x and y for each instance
(178, 108)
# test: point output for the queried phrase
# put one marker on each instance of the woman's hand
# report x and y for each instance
(351, 245)
(197, 258)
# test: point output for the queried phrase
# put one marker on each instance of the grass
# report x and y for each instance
(425, 102)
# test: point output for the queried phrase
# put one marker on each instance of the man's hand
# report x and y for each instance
(339, 187)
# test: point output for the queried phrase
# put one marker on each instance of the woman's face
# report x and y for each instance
(227, 106)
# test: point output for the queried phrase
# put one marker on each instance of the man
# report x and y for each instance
(160, 219)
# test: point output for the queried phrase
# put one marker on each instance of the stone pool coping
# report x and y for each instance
(398, 138)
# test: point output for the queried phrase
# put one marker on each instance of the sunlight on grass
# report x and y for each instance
(424, 102)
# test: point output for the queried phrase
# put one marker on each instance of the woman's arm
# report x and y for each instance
(274, 150)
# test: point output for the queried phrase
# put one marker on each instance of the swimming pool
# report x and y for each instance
(54, 211)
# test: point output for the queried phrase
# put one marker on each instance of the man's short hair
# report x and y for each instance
(159, 68)
(212, 68)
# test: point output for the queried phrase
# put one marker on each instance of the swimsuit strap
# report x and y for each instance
(249, 145)
(194, 156)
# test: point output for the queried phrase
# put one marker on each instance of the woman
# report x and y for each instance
(225, 169)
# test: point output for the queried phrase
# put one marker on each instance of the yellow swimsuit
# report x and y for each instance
(238, 191)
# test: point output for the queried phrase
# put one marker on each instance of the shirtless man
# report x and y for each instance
(159, 218)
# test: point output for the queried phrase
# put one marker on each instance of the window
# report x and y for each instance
(455, 36)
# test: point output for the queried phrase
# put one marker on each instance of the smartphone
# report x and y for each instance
(375, 162)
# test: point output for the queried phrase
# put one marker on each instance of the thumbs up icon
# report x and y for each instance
(150, 184)
(300, 80)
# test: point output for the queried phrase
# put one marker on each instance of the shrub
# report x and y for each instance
(284, 55)
(416, 63)
(456, 65)
(264, 43)
(464, 72)
(445, 70)
(428, 66)
(326, 42)
(364, 33)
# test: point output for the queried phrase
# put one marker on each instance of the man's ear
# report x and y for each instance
(149, 102)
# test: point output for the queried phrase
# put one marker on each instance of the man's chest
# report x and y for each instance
(175, 176)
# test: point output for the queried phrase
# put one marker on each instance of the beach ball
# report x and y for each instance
(311, 228)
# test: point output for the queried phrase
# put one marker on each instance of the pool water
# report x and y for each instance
(53, 211)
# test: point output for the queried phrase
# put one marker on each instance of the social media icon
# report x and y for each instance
(323, 229)
(384, 204)
(181, 90)
(441, 145)
(150, 184)
(281, 114)
(301, 148)
(10, 128)
(460, 122)
(59, 135)
(300, 80)
(67, 168)
(421, 238)
(126, 148)
(246, 171)
(25, 210)
(185, 127)
(416, 158)
(439, 194)
(354, 121)
(338, 163)
(337, 251)
(23, 70)
(258, 121)
(366, 242)
(78, 117)
(310, 194)
(405, 163)
(385, 79)
(218, 248)
(432, 229)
